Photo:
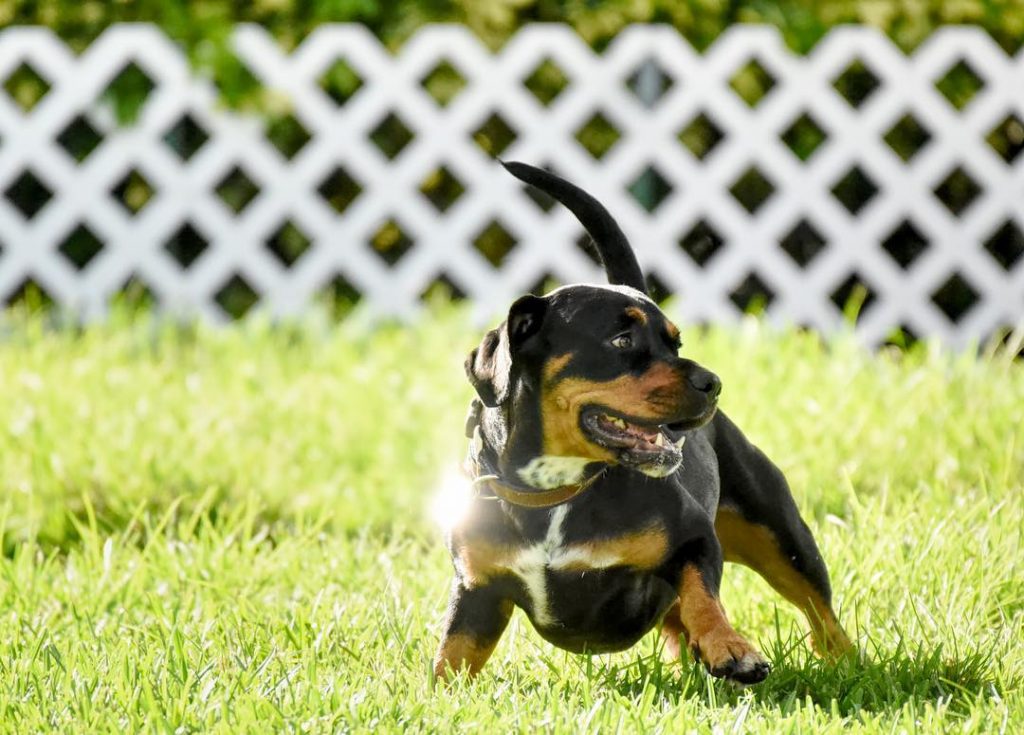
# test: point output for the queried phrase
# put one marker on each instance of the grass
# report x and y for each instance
(227, 531)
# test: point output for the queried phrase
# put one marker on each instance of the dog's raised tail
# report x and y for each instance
(620, 264)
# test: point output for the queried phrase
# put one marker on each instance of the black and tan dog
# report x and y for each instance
(609, 488)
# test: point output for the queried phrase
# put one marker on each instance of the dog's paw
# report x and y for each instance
(727, 655)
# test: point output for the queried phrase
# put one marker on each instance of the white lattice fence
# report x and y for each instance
(794, 198)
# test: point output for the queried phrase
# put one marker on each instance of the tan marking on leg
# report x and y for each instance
(755, 546)
(710, 636)
(461, 651)
(480, 562)
(673, 634)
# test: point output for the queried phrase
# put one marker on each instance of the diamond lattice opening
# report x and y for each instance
(340, 82)
(650, 189)
(494, 135)
(442, 188)
(186, 245)
(804, 136)
(657, 289)
(853, 297)
(28, 194)
(133, 192)
(339, 189)
(444, 83)
(803, 243)
(186, 137)
(128, 91)
(1007, 138)
(957, 191)
(236, 297)
(907, 137)
(1006, 244)
(79, 138)
(855, 190)
(752, 82)
(598, 135)
(752, 295)
(287, 134)
(701, 243)
(26, 86)
(546, 81)
(545, 284)
(390, 242)
(905, 244)
(902, 337)
(856, 83)
(341, 296)
(959, 84)
(442, 289)
(237, 190)
(495, 243)
(288, 243)
(29, 296)
(391, 135)
(649, 83)
(955, 297)
(80, 247)
(752, 189)
(701, 136)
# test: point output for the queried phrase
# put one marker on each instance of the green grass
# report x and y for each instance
(228, 531)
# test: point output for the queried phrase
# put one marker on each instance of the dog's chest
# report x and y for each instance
(549, 560)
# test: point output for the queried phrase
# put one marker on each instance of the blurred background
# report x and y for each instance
(220, 160)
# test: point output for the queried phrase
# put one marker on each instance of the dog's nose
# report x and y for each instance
(705, 382)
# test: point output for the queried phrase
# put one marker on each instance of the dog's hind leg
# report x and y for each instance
(475, 620)
(759, 526)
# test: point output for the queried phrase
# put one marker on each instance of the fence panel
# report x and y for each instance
(743, 174)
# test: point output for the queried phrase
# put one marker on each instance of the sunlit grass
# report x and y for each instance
(230, 530)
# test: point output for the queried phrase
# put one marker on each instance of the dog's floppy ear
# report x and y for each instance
(489, 366)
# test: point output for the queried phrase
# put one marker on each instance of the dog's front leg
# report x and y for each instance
(699, 618)
(475, 620)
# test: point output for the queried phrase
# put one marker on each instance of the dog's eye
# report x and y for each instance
(622, 342)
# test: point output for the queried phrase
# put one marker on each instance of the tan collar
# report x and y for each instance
(534, 498)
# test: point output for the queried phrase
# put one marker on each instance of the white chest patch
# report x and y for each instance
(531, 564)
(550, 471)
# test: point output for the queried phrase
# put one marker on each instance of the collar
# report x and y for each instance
(532, 498)
(491, 486)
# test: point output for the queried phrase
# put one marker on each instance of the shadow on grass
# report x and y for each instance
(874, 682)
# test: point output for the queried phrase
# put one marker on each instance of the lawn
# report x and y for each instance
(230, 531)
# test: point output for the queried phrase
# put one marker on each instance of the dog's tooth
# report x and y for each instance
(621, 423)
(659, 440)
(681, 442)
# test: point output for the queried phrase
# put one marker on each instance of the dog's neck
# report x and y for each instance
(494, 452)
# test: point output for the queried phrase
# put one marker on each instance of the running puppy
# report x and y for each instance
(609, 489)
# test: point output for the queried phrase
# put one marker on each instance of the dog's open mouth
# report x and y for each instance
(640, 441)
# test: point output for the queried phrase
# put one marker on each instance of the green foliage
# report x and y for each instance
(204, 25)
(228, 531)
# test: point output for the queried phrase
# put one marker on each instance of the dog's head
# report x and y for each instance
(589, 374)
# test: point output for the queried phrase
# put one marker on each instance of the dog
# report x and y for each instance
(608, 487)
